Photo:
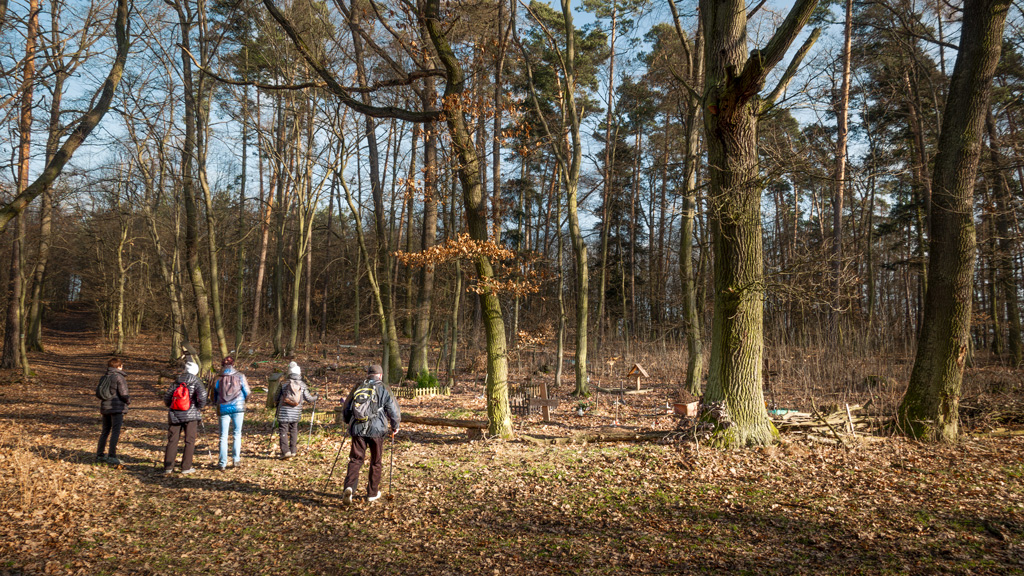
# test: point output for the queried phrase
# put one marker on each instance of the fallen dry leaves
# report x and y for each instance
(482, 507)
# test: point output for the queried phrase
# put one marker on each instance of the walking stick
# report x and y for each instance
(331, 475)
(391, 470)
(312, 419)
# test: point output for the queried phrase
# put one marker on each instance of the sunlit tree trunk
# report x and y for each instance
(929, 409)
(733, 78)
(498, 412)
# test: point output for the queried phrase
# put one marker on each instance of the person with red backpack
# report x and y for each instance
(113, 394)
(229, 393)
(290, 397)
(185, 399)
(369, 411)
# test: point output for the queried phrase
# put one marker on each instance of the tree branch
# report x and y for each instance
(337, 89)
(760, 62)
(787, 76)
(86, 124)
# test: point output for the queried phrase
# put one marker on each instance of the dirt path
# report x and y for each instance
(61, 402)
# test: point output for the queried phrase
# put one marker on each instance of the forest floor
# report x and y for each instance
(460, 506)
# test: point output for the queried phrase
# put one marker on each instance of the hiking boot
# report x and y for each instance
(168, 471)
(113, 460)
(221, 467)
(189, 471)
(101, 458)
(236, 464)
(373, 498)
(288, 455)
(347, 497)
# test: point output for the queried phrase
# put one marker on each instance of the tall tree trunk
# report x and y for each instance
(839, 178)
(929, 409)
(691, 312)
(240, 235)
(392, 359)
(266, 201)
(1006, 244)
(421, 325)
(13, 346)
(732, 80)
(498, 412)
(606, 188)
(189, 155)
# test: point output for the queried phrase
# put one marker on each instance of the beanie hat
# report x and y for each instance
(375, 369)
(192, 368)
(293, 368)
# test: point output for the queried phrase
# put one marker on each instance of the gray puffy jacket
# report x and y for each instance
(196, 391)
(292, 413)
(118, 403)
(377, 426)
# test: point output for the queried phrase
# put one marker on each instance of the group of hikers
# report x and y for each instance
(370, 411)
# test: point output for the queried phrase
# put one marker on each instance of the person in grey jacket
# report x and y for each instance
(113, 410)
(288, 416)
(370, 434)
(184, 422)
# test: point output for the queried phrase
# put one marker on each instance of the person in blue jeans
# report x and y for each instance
(230, 392)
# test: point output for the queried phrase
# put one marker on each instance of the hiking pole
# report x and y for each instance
(391, 471)
(329, 476)
(312, 419)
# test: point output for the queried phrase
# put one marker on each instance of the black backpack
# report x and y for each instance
(103, 389)
(365, 401)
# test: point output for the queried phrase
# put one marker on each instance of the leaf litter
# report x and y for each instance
(480, 507)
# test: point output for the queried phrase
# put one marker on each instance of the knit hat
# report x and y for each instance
(293, 368)
(375, 369)
(227, 361)
(192, 368)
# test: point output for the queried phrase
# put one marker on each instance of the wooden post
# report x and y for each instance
(545, 411)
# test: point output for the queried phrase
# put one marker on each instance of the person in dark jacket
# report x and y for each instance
(113, 410)
(184, 422)
(370, 434)
(288, 416)
(229, 394)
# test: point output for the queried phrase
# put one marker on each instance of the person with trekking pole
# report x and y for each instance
(113, 394)
(290, 398)
(369, 411)
(185, 399)
(229, 393)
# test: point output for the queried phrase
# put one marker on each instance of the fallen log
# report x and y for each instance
(600, 437)
(451, 422)
(474, 428)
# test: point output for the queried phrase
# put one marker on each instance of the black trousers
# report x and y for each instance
(112, 428)
(188, 429)
(288, 433)
(356, 457)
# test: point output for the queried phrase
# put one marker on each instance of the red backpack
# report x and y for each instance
(181, 399)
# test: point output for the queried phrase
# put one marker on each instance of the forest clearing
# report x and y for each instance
(883, 505)
(660, 286)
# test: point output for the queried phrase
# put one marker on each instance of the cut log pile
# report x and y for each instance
(843, 420)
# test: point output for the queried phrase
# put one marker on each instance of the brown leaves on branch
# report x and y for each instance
(466, 248)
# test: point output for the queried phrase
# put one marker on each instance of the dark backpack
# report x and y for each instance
(103, 389)
(365, 401)
(291, 393)
(181, 400)
(230, 388)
